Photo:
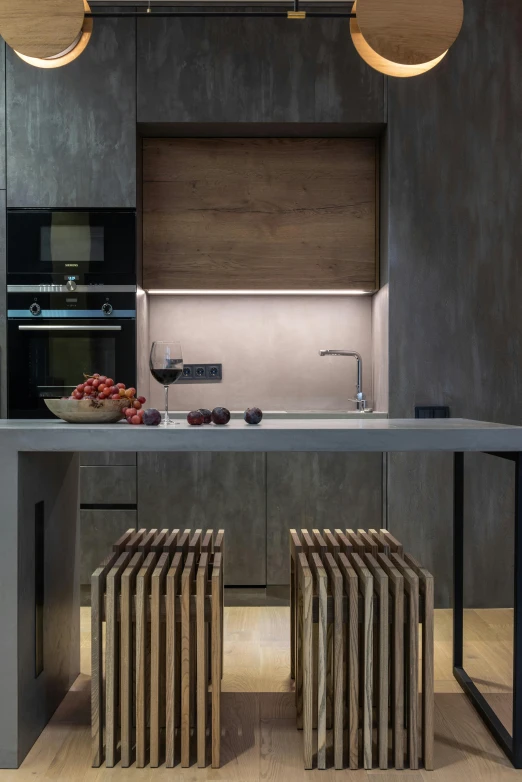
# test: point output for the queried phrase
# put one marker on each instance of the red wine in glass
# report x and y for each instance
(166, 366)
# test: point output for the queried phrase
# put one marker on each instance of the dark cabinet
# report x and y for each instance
(210, 490)
(318, 490)
(71, 131)
(254, 70)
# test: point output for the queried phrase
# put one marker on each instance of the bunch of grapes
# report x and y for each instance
(103, 387)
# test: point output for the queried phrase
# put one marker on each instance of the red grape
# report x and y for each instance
(129, 411)
(141, 412)
(103, 378)
(136, 404)
(142, 399)
(81, 387)
(115, 396)
(96, 383)
(109, 381)
(120, 385)
(96, 375)
(101, 387)
(135, 419)
(130, 392)
(78, 395)
(87, 389)
(114, 390)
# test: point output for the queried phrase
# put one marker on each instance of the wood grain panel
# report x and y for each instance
(259, 213)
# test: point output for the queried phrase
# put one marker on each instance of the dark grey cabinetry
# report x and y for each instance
(323, 490)
(71, 132)
(210, 490)
(254, 70)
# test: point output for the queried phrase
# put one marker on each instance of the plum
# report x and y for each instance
(220, 416)
(207, 415)
(195, 418)
(152, 417)
(253, 415)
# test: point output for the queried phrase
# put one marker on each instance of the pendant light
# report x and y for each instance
(46, 33)
(382, 65)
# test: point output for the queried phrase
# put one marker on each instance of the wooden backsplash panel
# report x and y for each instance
(259, 213)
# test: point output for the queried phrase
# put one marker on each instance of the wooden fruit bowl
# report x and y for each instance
(88, 411)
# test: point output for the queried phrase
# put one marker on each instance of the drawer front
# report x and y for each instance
(108, 485)
(98, 531)
(107, 459)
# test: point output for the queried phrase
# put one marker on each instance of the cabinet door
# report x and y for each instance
(71, 131)
(318, 490)
(210, 490)
(254, 70)
(108, 485)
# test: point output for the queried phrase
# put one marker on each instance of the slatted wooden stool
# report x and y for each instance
(160, 594)
(356, 604)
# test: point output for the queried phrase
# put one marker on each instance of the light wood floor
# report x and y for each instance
(260, 741)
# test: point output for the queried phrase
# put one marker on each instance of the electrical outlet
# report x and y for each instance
(202, 373)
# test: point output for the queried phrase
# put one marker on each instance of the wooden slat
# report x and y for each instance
(134, 540)
(305, 662)
(195, 542)
(142, 631)
(321, 586)
(127, 656)
(202, 662)
(395, 546)
(334, 547)
(216, 642)
(183, 542)
(157, 649)
(119, 546)
(206, 543)
(346, 546)
(380, 583)
(147, 541)
(98, 581)
(396, 583)
(382, 543)
(308, 542)
(336, 587)
(295, 550)
(112, 654)
(170, 543)
(411, 586)
(356, 543)
(351, 585)
(173, 661)
(427, 587)
(219, 547)
(366, 654)
(187, 664)
(159, 541)
(369, 544)
(320, 544)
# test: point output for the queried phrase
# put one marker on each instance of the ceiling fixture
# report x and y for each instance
(405, 37)
(47, 33)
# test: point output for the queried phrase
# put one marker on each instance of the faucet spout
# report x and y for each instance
(361, 401)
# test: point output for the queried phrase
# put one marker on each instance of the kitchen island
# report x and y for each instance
(39, 595)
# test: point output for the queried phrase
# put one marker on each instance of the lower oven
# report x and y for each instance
(51, 352)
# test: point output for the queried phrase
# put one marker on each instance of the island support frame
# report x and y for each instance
(511, 744)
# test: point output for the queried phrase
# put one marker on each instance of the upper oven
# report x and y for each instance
(81, 245)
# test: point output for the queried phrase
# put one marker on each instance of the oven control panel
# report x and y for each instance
(57, 305)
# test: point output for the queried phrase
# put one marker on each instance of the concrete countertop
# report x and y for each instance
(307, 434)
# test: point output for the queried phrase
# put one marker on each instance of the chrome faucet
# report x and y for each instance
(360, 399)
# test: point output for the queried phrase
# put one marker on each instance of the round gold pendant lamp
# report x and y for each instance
(46, 33)
(405, 37)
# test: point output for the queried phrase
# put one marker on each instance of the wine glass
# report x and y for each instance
(166, 366)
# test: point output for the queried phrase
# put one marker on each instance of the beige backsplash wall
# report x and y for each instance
(269, 348)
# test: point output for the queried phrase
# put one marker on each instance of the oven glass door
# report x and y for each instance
(49, 358)
(71, 243)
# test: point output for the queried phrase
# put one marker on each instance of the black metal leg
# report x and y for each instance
(511, 745)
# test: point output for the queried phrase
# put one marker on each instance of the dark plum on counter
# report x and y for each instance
(195, 418)
(152, 417)
(253, 415)
(207, 415)
(220, 416)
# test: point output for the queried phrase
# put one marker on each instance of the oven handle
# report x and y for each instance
(69, 328)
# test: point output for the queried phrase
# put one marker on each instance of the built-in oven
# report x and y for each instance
(55, 338)
(83, 246)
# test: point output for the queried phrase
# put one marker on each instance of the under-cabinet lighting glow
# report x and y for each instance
(191, 292)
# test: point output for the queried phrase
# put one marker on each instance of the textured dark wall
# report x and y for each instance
(254, 70)
(454, 233)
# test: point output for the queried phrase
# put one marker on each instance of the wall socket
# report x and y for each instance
(197, 373)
